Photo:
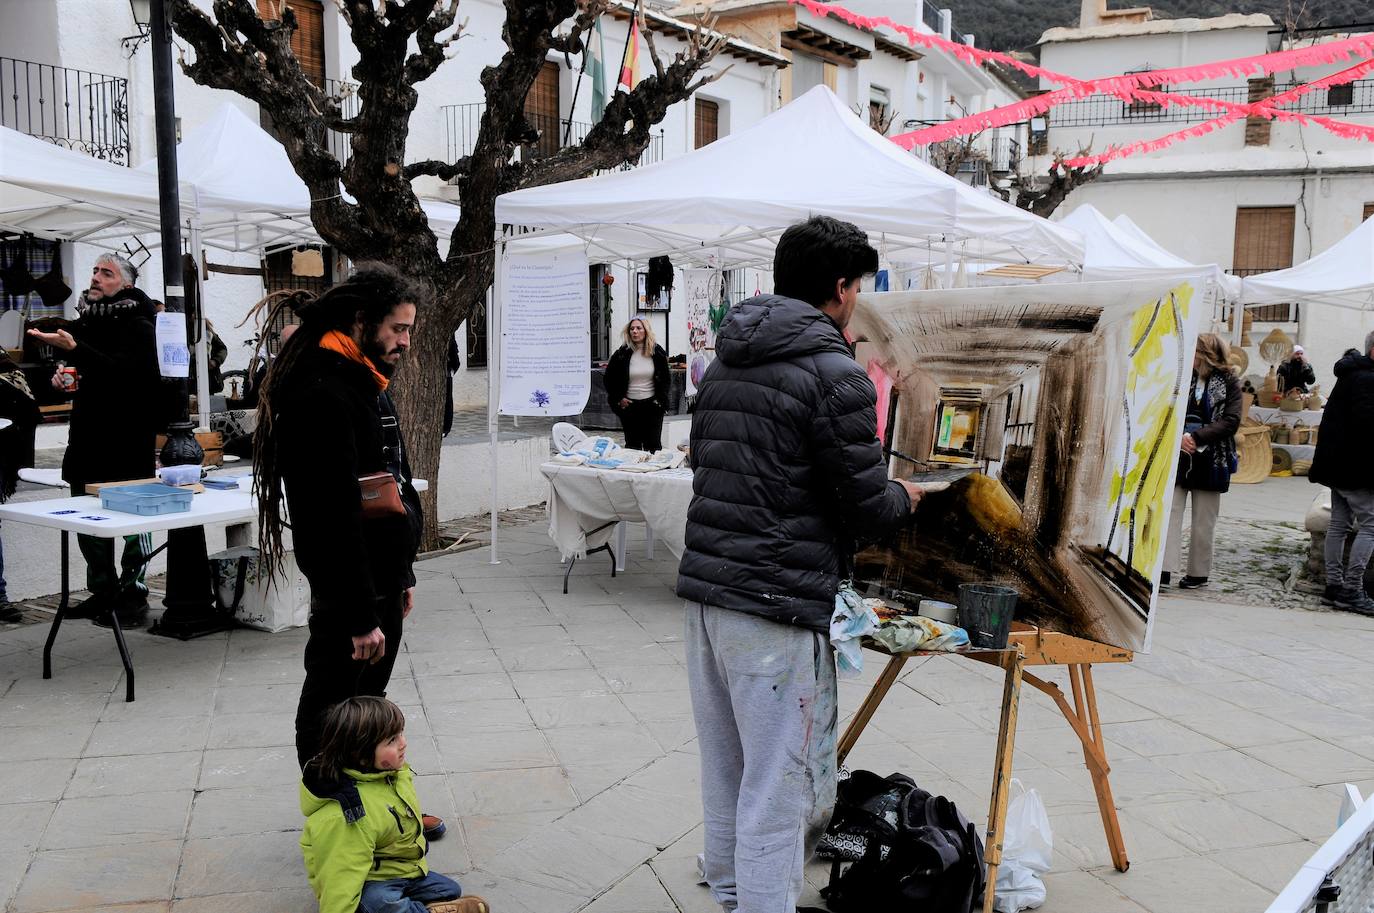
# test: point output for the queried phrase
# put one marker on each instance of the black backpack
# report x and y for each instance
(904, 849)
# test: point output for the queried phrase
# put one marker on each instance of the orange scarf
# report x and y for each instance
(342, 343)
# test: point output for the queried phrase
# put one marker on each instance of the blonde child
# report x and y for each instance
(363, 842)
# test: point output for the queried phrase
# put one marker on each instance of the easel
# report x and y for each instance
(1027, 646)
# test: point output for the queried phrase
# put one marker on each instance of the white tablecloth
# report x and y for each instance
(1297, 451)
(1270, 416)
(585, 504)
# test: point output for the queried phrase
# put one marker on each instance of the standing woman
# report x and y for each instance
(1208, 459)
(637, 386)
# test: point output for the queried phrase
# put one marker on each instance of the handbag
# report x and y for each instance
(381, 496)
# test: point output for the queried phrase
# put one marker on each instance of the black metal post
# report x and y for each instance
(189, 601)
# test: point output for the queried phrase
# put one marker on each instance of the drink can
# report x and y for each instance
(68, 377)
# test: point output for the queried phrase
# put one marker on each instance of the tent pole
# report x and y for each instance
(949, 265)
(493, 371)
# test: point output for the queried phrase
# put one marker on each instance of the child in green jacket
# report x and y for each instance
(363, 842)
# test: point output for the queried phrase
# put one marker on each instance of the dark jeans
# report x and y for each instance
(332, 675)
(642, 420)
(407, 895)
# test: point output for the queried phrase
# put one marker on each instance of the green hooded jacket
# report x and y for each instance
(365, 829)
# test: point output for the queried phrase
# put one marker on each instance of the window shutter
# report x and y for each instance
(1264, 242)
(542, 109)
(707, 122)
(307, 42)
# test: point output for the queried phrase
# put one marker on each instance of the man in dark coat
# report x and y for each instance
(1344, 463)
(114, 423)
(788, 475)
(325, 421)
(1296, 373)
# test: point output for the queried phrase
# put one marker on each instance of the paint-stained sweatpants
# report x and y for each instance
(763, 695)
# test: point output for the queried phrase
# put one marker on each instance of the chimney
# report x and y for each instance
(1090, 13)
(1095, 12)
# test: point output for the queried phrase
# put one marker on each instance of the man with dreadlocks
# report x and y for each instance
(325, 421)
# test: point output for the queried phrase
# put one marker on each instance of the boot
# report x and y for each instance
(470, 904)
(131, 609)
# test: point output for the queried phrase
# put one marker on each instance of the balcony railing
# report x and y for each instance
(1271, 313)
(997, 153)
(461, 123)
(931, 16)
(76, 109)
(347, 93)
(1108, 110)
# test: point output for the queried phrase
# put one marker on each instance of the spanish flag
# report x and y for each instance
(629, 70)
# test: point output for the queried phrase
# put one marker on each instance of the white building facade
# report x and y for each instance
(1253, 196)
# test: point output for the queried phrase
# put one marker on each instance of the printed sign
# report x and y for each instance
(545, 334)
(173, 355)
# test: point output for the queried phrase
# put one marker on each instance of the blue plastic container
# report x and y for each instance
(148, 500)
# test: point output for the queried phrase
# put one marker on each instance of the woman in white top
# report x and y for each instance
(637, 386)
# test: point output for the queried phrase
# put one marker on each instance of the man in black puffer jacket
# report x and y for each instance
(788, 475)
(1343, 464)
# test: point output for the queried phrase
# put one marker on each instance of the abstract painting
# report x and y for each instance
(1056, 410)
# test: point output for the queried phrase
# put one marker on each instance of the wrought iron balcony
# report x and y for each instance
(77, 109)
(461, 123)
(1108, 110)
(1271, 313)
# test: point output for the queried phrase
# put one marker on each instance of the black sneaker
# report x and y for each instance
(1356, 601)
(132, 613)
(1330, 595)
(1192, 583)
(11, 612)
(93, 606)
(1164, 578)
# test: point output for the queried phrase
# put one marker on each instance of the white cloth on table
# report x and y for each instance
(1297, 451)
(585, 504)
(1269, 416)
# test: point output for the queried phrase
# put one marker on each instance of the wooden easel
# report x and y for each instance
(1027, 646)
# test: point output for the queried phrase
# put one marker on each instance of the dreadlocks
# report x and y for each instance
(369, 295)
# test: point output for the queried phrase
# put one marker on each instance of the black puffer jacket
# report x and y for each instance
(1345, 446)
(788, 471)
(118, 408)
(618, 377)
(330, 417)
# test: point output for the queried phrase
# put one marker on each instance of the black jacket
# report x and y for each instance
(1295, 375)
(118, 407)
(788, 471)
(1215, 430)
(329, 417)
(618, 377)
(1345, 446)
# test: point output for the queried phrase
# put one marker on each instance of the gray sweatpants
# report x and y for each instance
(1350, 508)
(1206, 506)
(763, 695)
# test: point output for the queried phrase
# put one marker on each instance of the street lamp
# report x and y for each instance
(189, 600)
(143, 13)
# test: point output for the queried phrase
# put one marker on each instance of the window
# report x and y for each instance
(307, 42)
(807, 73)
(542, 110)
(278, 275)
(879, 100)
(707, 122)
(36, 255)
(1264, 242)
(600, 302)
(1340, 96)
(1368, 211)
(1144, 107)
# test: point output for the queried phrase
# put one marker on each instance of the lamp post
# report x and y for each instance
(189, 601)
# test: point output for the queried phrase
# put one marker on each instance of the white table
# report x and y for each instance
(85, 516)
(588, 505)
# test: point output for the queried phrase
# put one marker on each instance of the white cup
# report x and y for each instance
(947, 612)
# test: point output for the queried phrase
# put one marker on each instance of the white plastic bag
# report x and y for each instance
(1026, 852)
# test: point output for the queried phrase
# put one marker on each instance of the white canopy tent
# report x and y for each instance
(727, 203)
(1342, 276)
(813, 156)
(1120, 250)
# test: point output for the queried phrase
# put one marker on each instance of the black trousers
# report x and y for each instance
(331, 675)
(642, 420)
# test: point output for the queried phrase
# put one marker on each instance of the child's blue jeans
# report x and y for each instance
(407, 895)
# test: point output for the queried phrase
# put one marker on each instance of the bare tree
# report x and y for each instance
(1042, 195)
(399, 45)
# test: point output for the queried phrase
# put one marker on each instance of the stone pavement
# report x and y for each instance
(554, 732)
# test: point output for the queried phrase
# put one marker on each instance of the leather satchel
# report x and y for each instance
(381, 496)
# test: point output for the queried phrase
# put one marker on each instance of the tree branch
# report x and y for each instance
(438, 169)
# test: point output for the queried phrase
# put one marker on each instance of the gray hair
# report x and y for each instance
(1368, 341)
(126, 269)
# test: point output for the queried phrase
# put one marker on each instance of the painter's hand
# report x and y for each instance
(371, 646)
(1189, 445)
(59, 340)
(407, 601)
(915, 491)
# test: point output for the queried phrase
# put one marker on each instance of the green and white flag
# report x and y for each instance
(596, 69)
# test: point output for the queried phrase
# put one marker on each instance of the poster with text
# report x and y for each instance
(704, 310)
(545, 334)
(173, 354)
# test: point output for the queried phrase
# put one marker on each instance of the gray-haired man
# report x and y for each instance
(116, 413)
